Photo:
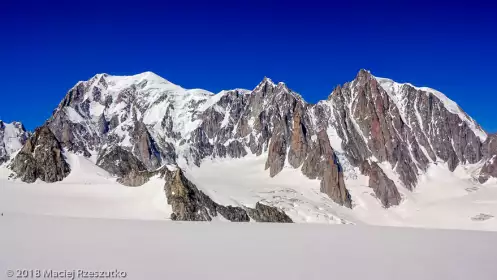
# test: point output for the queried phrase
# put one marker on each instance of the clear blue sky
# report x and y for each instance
(47, 46)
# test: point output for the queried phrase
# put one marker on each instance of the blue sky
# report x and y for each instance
(47, 46)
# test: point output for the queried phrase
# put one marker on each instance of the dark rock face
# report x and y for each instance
(120, 162)
(408, 134)
(190, 204)
(236, 149)
(276, 155)
(41, 158)
(299, 142)
(384, 188)
(333, 185)
(187, 202)
(267, 214)
(441, 133)
(321, 162)
(75, 136)
(145, 147)
(135, 178)
(233, 214)
(490, 146)
(374, 115)
(489, 168)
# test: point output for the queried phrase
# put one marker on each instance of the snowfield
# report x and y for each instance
(90, 222)
(172, 250)
(88, 191)
(445, 228)
(443, 199)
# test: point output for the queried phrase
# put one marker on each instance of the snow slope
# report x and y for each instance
(90, 222)
(245, 182)
(88, 191)
(443, 199)
(171, 250)
(11, 138)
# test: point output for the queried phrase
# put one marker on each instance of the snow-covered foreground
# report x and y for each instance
(442, 200)
(171, 250)
(89, 222)
(88, 191)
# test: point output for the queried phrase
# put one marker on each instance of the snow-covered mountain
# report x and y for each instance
(221, 154)
(12, 137)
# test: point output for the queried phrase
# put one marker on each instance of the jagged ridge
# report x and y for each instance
(367, 121)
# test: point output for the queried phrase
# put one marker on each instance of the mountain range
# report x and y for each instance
(371, 141)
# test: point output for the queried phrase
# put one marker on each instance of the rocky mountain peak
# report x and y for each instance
(267, 80)
(41, 158)
(363, 74)
(380, 121)
(268, 92)
(266, 86)
(390, 132)
(115, 84)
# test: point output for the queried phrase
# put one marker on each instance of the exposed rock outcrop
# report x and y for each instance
(490, 146)
(384, 188)
(276, 154)
(322, 162)
(375, 127)
(70, 127)
(144, 146)
(120, 162)
(135, 178)
(299, 142)
(138, 178)
(407, 127)
(41, 158)
(267, 214)
(190, 204)
(187, 202)
(489, 168)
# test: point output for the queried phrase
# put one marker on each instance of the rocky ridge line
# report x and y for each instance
(150, 122)
(190, 204)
